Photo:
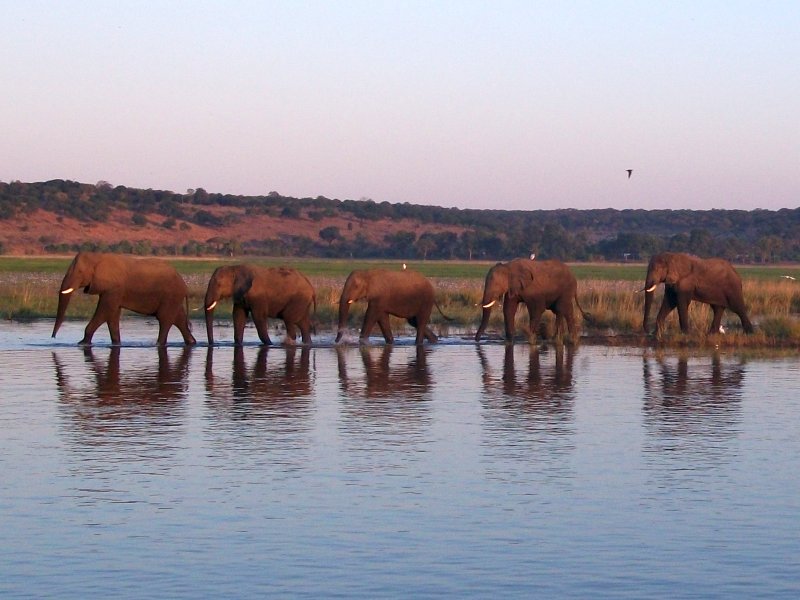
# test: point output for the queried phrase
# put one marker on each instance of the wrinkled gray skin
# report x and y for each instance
(405, 294)
(262, 293)
(539, 284)
(148, 286)
(713, 281)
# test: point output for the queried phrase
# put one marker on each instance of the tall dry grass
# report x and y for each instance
(616, 308)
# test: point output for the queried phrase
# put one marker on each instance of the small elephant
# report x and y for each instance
(685, 277)
(405, 294)
(263, 293)
(148, 286)
(540, 284)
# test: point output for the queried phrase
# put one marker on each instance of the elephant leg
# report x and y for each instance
(262, 327)
(668, 304)
(386, 328)
(305, 330)
(717, 320)
(291, 332)
(182, 323)
(422, 325)
(164, 326)
(560, 326)
(239, 321)
(535, 312)
(102, 313)
(423, 331)
(740, 310)
(370, 318)
(510, 306)
(430, 336)
(683, 313)
(568, 317)
(113, 324)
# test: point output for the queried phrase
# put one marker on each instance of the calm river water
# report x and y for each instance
(450, 470)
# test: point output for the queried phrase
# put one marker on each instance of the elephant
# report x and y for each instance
(406, 294)
(148, 286)
(263, 293)
(540, 284)
(685, 277)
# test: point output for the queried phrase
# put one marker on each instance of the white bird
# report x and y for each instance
(721, 329)
(788, 277)
(533, 255)
(405, 266)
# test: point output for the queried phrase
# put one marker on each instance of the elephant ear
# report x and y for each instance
(519, 280)
(242, 283)
(677, 269)
(104, 275)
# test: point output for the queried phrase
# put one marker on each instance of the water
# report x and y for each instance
(450, 470)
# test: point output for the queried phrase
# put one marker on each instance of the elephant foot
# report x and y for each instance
(85, 342)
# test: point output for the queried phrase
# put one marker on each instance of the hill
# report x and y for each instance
(64, 216)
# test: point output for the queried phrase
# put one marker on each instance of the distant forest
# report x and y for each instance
(757, 236)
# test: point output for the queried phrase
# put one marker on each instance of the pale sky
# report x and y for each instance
(495, 104)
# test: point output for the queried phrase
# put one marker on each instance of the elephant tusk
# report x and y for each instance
(212, 305)
(652, 288)
(490, 305)
(68, 291)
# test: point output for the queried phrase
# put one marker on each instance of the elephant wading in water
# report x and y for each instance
(148, 286)
(263, 293)
(685, 277)
(540, 284)
(405, 294)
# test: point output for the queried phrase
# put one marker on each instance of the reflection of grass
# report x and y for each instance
(28, 289)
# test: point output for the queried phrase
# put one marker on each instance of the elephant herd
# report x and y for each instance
(153, 287)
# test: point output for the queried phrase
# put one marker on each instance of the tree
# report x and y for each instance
(425, 244)
(330, 234)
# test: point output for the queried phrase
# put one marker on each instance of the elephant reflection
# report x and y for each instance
(688, 399)
(543, 388)
(263, 390)
(381, 380)
(528, 412)
(139, 399)
(386, 404)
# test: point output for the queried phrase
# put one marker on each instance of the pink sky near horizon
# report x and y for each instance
(518, 105)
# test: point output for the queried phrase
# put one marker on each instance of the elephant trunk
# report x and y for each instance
(209, 304)
(344, 313)
(648, 302)
(64, 296)
(487, 312)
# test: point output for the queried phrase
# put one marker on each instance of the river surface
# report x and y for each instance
(457, 470)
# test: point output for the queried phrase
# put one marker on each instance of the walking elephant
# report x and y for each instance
(148, 286)
(405, 294)
(539, 284)
(685, 277)
(263, 293)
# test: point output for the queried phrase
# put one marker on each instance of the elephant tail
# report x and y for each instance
(314, 318)
(439, 308)
(186, 305)
(586, 316)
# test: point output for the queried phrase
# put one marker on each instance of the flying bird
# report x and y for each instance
(630, 172)
(788, 277)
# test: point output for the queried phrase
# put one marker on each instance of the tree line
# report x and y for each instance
(760, 236)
